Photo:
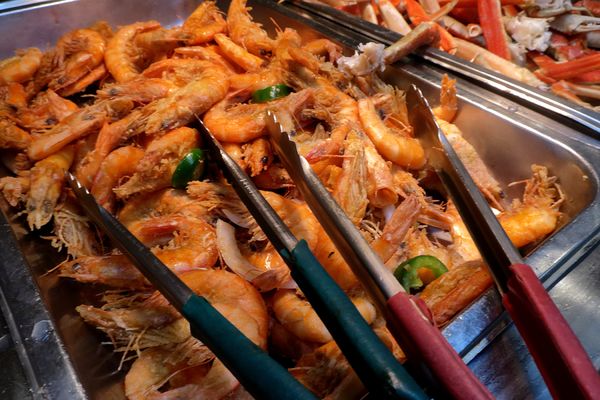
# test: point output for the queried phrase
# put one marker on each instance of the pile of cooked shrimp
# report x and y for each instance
(113, 107)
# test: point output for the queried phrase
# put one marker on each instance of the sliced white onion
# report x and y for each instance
(388, 211)
(236, 219)
(231, 254)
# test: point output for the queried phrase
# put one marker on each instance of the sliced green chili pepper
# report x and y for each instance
(408, 272)
(271, 93)
(190, 168)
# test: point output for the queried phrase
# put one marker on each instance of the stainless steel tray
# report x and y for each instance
(72, 363)
(544, 101)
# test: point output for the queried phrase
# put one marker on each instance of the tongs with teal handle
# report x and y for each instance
(378, 369)
(560, 357)
(416, 334)
(261, 376)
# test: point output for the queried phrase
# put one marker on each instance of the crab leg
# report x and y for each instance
(490, 19)
(417, 15)
(590, 91)
(562, 89)
(392, 17)
(569, 69)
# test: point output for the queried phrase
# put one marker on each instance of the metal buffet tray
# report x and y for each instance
(545, 102)
(63, 358)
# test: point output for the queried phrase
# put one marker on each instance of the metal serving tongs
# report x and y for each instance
(261, 376)
(375, 365)
(562, 361)
(412, 328)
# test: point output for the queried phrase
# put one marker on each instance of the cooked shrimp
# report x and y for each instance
(236, 152)
(17, 162)
(327, 373)
(404, 151)
(114, 270)
(248, 34)
(537, 215)
(44, 73)
(210, 53)
(297, 315)
(418, 243)
(203, 24)
(395, 230)
(380, 183)
(237, 54)
(241, 304)
(46, 184)
(251, 82)
(159, 203)
(187, 242)
(324, 47)
(72, 230)
(297, 216)
(122, 56)
(103, 28)
(46, 110)
(21, 67)
(480, 173)
(13, 137)
(141, 91)
(179, 71)
(331, 104)
(14, 189)
(154, 170)
(75, 126)
(119, 164)
(350, 191)
(16, 96)
(189, 102)
(232, 121)
(462, 242)
(455, 289)
(258, 156)
(264, 267)
(448, 101)
(275, 177)
(78, 52)
(111, 135)
(98, 73)
(333, 262)
(431, 213)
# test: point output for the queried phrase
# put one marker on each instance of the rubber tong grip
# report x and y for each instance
(261, 376)
(558, 354)
(373, 362)
(425, 344)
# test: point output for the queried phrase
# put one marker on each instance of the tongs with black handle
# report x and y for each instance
(375, 365)
(560, 357)
(406, 319)
(261, 376)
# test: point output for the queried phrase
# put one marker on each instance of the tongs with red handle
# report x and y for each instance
(407, 321)
(560, 357)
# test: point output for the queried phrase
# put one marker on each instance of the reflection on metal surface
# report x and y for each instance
(508, 136)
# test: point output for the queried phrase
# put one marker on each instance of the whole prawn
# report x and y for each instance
(46, 184)
(122, 55)
(21, 67)
(233, 121)
(153, 170)
(188, 102)
(245, 32)
(78, 53)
